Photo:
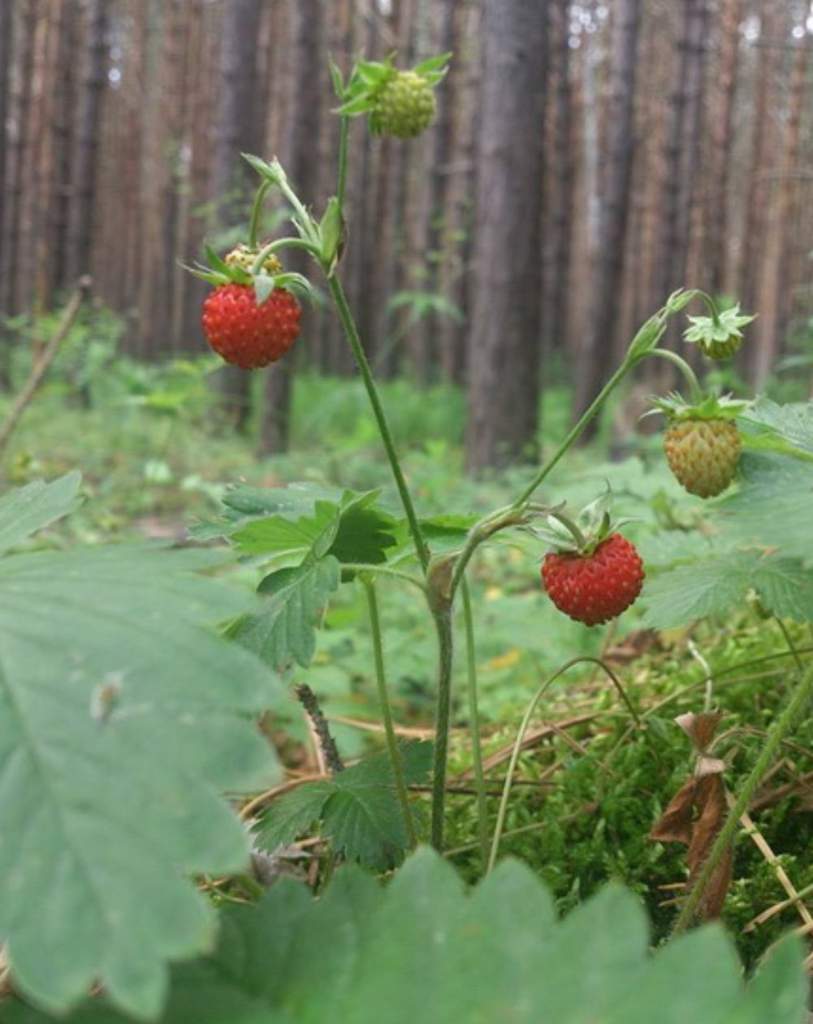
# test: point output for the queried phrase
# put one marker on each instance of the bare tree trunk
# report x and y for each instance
(16, 178)
(775, 297)
(563, 189)
(597, 352)
(62, 129)
(504, 346)
(90, 109)
(238, 131)
(303, 170)
(6, 50)
(718, 243)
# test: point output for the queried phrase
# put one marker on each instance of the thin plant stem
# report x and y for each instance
(789, 642)
(351, 331)
(474, 717)
(577, 429)
(341, 187)
(256, 211)
(691, 377)
(384, 570)
(443, 625)
(282, 243)
(523, 728)
(386, 711)
(773, 740)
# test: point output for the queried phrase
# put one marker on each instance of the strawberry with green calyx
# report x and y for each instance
(718, 336)
(594, 573)
(251, 317)
(398, 103)
(702, 443)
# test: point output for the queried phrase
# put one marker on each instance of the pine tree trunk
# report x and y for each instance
(6, 50)
(597, 351)
(239, 130)
(90, 110)
(303, 171)
(504, 345)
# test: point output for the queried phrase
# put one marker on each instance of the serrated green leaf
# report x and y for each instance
(421, 948)
(300, 538)
(720, 583)
(364, 534)
(292, 814)
(113, 711)
(27, 509)
(286, 630)
(792, 422)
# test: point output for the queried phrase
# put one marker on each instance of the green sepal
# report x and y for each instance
(712, 407)
(717, 337)
(331, 230)
(268, 171)
(264, 285)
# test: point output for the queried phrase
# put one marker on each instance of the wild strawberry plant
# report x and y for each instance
(126, 719)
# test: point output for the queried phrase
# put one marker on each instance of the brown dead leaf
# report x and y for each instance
(700, 728)
(632, 647)
(694, 817)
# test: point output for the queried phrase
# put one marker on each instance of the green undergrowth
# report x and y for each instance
(589, 821)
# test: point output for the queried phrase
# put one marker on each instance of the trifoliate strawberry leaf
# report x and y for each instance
(718, 584)
(30, 508)
(122, 719)
(791, 423)
(363, 953)
(357, 809)
(285, 630)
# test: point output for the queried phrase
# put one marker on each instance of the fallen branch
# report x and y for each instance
(42, 365)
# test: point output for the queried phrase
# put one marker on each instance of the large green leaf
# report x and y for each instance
(122, 719)
(721, 583)
(424, 949)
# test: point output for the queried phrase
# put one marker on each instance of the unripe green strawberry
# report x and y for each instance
(244, 258)
(598, 585)
(703, 454)
(404, 107)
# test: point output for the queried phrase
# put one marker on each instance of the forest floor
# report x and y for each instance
(590, 786)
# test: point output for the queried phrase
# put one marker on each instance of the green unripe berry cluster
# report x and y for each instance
(404, 107)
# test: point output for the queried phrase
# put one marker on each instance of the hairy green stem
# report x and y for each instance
(341, 187)
(474, 717)
(351, 331)
(256, 211)
(711, 305)
(577, 429)
(443, 625)
(695, 390)
(386, 712)
(281, 243)
(773, 739)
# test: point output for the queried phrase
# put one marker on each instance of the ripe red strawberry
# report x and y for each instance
(594, 587)
(246, 333)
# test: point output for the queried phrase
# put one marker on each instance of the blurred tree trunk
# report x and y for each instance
(504, 341)
(596, 355)
(563, 187)
(6, 51)
(762, 144)
(18, 153)
(90, 109)
(681, 154)
(62, 131)
(303, 131)
(775, 292)
(239, 130)
(722, 127)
